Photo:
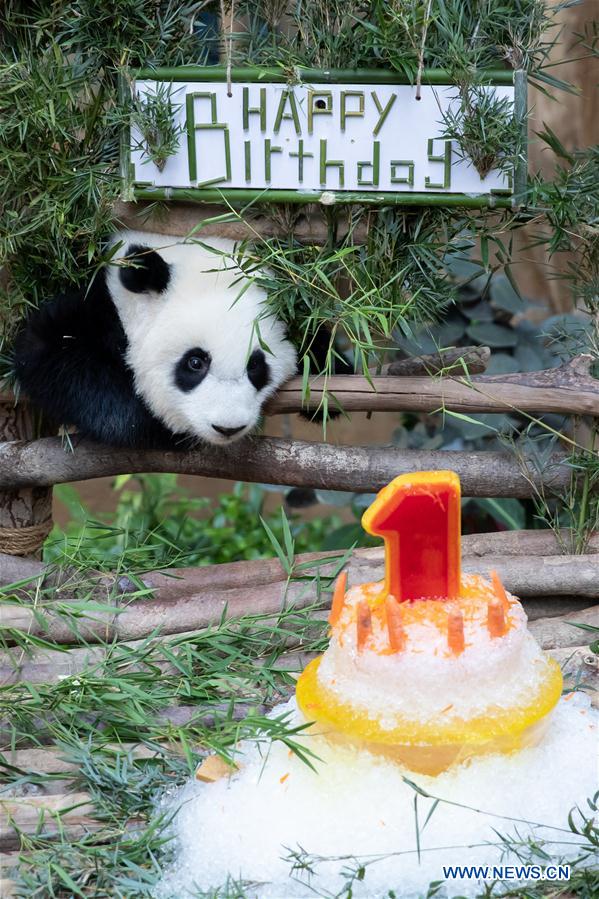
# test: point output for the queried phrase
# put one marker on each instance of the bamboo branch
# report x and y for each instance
(363, 469)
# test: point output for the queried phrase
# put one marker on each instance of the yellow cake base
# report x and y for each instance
(431, 746)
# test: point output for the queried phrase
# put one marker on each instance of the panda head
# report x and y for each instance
(204, 354)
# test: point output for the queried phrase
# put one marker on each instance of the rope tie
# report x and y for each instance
(24, 541)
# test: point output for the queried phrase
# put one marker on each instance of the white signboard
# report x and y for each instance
(313, 138)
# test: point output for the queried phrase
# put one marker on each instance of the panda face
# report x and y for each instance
(204, 357)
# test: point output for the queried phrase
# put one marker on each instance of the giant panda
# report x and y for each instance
(170, 346)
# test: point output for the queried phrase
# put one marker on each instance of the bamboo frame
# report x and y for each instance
(241, 196)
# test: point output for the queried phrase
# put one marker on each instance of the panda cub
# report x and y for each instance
(161, 351)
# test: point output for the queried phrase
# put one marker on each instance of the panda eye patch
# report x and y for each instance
(191, 369)
(258, 370)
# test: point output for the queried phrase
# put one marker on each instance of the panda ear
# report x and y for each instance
(144, 270)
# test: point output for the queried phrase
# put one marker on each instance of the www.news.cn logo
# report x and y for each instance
(506, 872)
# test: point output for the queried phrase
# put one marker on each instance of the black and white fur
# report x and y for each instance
(161, 351)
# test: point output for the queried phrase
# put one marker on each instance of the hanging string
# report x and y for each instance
(228, 40)
(422, 46)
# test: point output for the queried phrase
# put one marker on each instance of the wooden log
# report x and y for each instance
(46, 816)
(179, 581)
(562, 631)
(48, 666)
(452, 361)
(171, 610)
(168, 718)
(25, 512)
(575, 658)
(9, 862)
(569, 389)
(36, 760)
(17, 568)
(363, 469)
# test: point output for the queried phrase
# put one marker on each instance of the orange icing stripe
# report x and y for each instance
(499, 591)
(338, 598)
(363, 624)
(496, 618)
(455, 631)
(397, 635)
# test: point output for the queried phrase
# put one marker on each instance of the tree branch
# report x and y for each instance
(364, 469)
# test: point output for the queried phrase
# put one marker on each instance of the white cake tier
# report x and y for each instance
(426, 679)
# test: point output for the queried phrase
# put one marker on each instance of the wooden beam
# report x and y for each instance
(363, 469)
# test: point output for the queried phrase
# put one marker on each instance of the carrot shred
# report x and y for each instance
(499, 591)
(283, 778)
(397, 635)
(455, 631)
(338, 598)
(363, 624)
(495, 618)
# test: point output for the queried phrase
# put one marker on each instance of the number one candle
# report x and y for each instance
(418, 516)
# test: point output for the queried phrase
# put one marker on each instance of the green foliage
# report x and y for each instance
(159, 525)
(364, 293)
(571, 205)
(459, 35)
(60, 130)
(484, 128)
(154, 117)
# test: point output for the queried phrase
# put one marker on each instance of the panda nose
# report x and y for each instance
(228, 432)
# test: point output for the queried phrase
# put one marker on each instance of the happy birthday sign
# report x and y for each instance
(311, 139)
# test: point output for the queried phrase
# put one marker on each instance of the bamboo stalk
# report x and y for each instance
(241, 196)
(303, 73)
(363, 469)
